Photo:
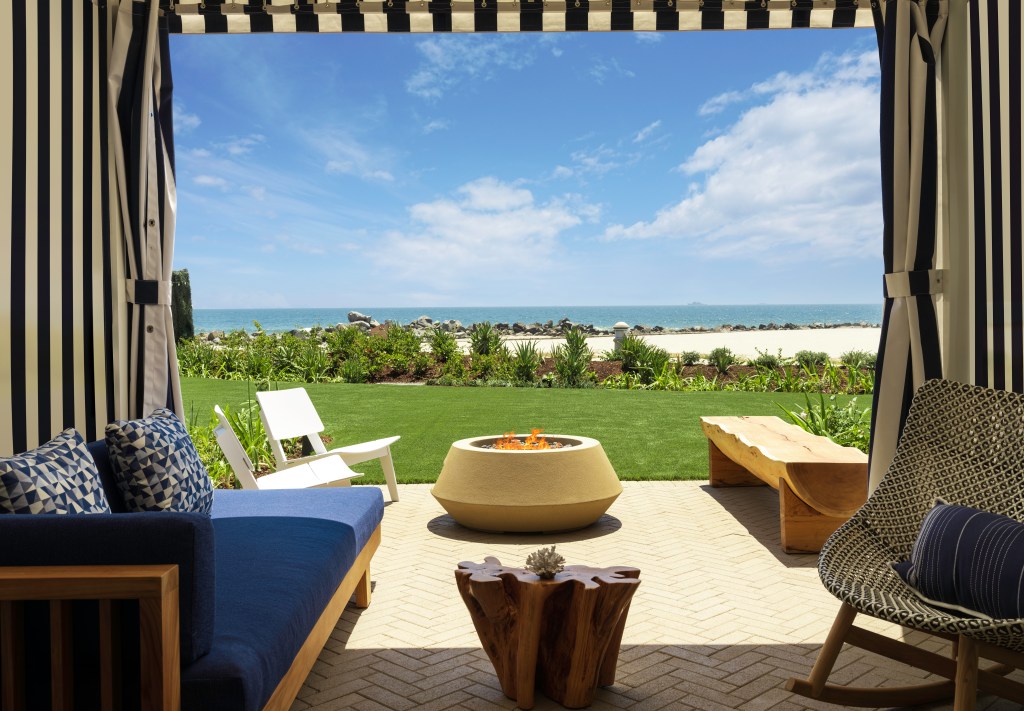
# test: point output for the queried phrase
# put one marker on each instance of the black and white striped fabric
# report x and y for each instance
(993, 327)
(143, 150)
(72, 349)
(252, 16)
(60, 253)
(909, 352)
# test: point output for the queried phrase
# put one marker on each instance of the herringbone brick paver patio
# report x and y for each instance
(720, 621)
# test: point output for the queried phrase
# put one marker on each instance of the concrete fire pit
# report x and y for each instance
(544, 490)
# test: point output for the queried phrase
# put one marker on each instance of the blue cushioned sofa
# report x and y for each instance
(260, 583)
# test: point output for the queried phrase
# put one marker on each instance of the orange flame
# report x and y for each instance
(533, 441)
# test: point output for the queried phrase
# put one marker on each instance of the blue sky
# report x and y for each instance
(554, 169)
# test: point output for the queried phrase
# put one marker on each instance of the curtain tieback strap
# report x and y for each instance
(149, 292)
(919, 283)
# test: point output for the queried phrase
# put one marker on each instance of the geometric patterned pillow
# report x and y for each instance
(58, 477)
(156, 465)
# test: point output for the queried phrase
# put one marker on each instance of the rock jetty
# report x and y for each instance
(553, 329)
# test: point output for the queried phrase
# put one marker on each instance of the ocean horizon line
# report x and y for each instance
(528, 306)
(692, 315)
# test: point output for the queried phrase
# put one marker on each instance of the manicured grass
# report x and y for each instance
(647, 435)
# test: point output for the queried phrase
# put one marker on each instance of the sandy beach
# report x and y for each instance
(834, 341)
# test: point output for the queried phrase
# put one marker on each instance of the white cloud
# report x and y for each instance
(562, 171)
(184, 122)
(648, 37)
(605, 68)
(211, 181)
(435, 125)
(290, 243)
(601, 160)
(449, 60)
(644, 133)
(796, 176)
(240, 145)
(199, 153)
(717, 104)
(487, 225)
(346, 155)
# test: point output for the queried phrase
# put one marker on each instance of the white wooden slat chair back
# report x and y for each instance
(290, 413)
(295, 474)
(240, 463)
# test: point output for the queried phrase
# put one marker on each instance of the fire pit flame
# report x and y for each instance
(533, 441)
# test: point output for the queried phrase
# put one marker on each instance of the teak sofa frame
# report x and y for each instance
(156, 589)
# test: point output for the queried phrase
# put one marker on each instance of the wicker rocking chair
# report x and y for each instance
(966, 445)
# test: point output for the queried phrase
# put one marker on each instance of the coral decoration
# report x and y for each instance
(545, 563)
(533, 441)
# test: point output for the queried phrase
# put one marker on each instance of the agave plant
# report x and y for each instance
(526, 360)
(484, 339)
(248, 428)
(847, 425)
(722, 358)
(443, 345)
(640, 357)
(572, 360)
(312, 364)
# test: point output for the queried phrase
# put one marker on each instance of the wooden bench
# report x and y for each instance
(820, 483)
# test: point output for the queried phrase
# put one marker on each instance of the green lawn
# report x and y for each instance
(647, 435)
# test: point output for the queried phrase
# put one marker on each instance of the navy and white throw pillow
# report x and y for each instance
(968, 561)
(156, 465)
(58, 477)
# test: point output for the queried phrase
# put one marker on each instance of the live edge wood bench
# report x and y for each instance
(820, 483)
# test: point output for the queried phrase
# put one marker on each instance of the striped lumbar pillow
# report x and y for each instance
(969, 561)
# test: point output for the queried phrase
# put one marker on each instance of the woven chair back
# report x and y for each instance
(961, 443)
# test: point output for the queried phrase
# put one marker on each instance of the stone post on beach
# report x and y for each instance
(621, 329)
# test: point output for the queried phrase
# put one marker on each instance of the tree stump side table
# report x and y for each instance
(563, 634)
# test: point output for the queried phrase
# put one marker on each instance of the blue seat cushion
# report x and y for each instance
(361, 507)
(280, 557)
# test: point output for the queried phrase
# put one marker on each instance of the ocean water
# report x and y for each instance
(684, 316)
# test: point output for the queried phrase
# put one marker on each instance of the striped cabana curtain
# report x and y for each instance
(255, 16)
(61, 264)
(908, 353)
(986, 341)
(143, 150)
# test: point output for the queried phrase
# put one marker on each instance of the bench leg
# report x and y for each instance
(804, 530)
(363, 589)
(725, 472)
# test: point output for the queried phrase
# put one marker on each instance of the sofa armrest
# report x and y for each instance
(182, 539)
(154, 586)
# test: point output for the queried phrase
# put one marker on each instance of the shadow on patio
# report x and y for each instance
(722, 617)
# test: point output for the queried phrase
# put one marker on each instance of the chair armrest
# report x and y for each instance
(298, 461)
(182, 539)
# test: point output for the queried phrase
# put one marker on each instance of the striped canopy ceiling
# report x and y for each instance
(247, 16)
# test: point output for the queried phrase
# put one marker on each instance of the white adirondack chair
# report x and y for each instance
(290, 413)
(297, 474)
